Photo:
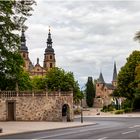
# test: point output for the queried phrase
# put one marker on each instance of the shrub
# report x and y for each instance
(126, 110)
(104, 109)
(108, 108)
(126, 104)
(111, 108)
(77, 111)
(119, 111)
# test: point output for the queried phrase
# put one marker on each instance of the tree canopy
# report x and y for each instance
(58, 79)
(90, 92)
(127, 76)
(12, 17)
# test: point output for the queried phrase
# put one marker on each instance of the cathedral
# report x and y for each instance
(104, 90)
(49, 57)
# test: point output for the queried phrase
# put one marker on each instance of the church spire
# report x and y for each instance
(114, 73)
(23, 46)
(114, 80)
(101, 79)
(49, 56)
(49, 40)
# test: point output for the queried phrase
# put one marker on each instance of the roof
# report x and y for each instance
(109, 86)
(49, 48)
(23, 46)
(101, 79)
(114, 73)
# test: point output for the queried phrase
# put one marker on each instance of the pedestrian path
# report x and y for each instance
(20, 127)
(95, 112)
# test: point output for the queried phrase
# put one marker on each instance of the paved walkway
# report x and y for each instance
(19, 127)
(92, 112)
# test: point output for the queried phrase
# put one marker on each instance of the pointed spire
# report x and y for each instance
(114, 73)
(37, 60)
(49, 40)
(23, 36)
(49, 43)
(101, 79)
(23, 41)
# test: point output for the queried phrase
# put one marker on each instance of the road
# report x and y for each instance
(106, 128)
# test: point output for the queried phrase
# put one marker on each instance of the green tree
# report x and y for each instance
(38, 83)
(128, 77)
(24, 81)
(12, 18)
(58, 79)
(137, 36)
(77, 94)
(137, 77)
(90, 92)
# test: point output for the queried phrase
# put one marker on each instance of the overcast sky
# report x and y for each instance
(88, 36)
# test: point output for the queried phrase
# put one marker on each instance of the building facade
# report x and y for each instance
(49, 57)
(104, 90)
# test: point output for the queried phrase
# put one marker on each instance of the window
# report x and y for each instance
(50, 56)
(50, 65)
(24, 55)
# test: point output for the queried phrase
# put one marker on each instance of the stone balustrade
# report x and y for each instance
(33, 93)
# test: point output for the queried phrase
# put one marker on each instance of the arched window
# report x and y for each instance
(50, 65)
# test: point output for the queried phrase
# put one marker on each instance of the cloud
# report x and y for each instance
(87, 35)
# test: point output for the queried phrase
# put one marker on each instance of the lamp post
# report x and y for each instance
(81, 112)
(81, 106)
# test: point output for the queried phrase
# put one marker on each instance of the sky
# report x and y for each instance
(88, 36)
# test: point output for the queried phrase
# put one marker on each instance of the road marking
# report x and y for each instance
(102, 138)
(134, 126)
(128, 132)
(67, 133)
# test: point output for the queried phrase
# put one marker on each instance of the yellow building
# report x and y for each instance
(49, 57)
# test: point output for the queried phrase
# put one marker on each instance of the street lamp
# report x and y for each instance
(81, 106)
(81, 111)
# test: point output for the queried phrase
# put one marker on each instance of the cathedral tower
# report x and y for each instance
(24, 51)
(114, 80)
(100, 85)
(49, 56)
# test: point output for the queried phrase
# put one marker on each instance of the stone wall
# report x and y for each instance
(40, 107)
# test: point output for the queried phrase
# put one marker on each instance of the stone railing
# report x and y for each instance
(33, 93)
